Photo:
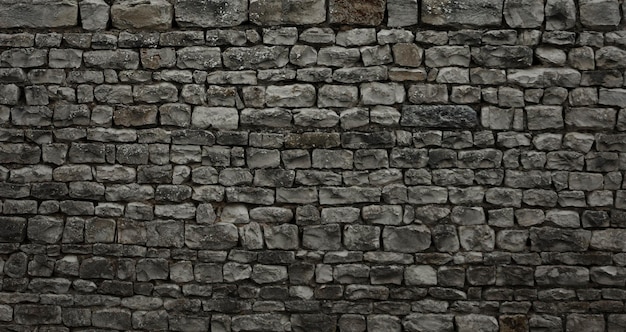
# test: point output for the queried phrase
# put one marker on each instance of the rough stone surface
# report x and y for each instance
(462, 13)
(212, 13)
(311, 165)
(39, 14)
(134, 14)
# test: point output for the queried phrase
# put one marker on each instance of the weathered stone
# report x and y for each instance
(418, 322)
(13, 229)
(276, 12)
(401, 13)
(139, 14)
(443, 56)
(369, 12)
(257, 57)
(438, 116)
(39, 14)
(557, 275)
(545, 77)
(222, 118)
(361, 237)
(215, 237)
(479, 238)
(462, 13)
(560, 14)
(608, 240)
(407, 239)
(112, 318)
(323, 237)
(599, 13)
(260, 322)
(45, 229)
(198, 57)
(213, 13)
(32, 314)
(523, 14)
(476, 322)
(557, 239)
(503, 56)
(94, 14)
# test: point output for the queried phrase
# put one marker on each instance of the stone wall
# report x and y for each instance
(311, 165)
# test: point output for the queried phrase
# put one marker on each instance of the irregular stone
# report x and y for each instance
(560, 14)
(409, 239)
(112, 318)
(444, 56)
(297, 95)
(557, 239)
(336, 56)
(213, 13)
(545, 77)
(401, 13)
(474, 322)
(257, 57)
(94, 14)
(438, 116)
(140, 14)
(477, 238)
(286, 12)
(107, 59)
(610, 57)
(12, 229)
(42, 229)
(600, 14)
(524, 14)
(322, 237)
(609, 240)
(462, 13)
(214, 237)
(199, 57)
(503, 56)
(544, 117)
(368, 12)
(418, 322)
(33, 314)
(261, 322)
(561, 275)
(39, 14)
(222, 118)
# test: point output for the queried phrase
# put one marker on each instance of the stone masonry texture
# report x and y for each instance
(313, 165)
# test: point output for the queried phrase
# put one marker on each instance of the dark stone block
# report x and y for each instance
(439, 116)
(12, 229)
(364, 12)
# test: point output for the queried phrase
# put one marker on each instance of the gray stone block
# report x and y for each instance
(481, 14)
(39, 14)
(214, 13)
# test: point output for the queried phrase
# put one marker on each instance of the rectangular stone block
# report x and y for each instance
(275, 12)
(211, 13)
(471, 13)
(401, 13)
(142, 14)
(439, 116)
(364, 12)
(38, 13)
